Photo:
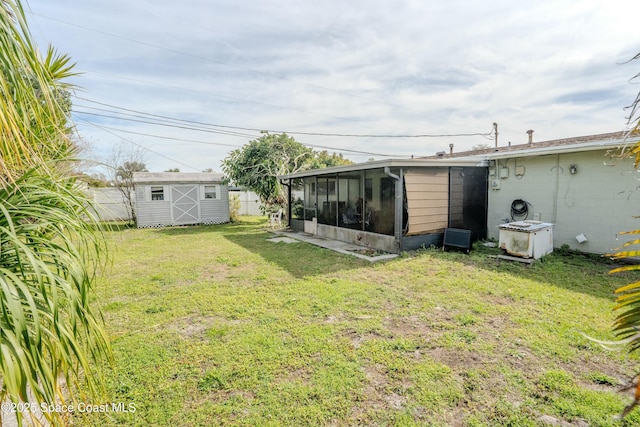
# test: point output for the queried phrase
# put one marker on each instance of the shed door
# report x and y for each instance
(185, 205)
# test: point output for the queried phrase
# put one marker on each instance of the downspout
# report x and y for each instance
(397, 226)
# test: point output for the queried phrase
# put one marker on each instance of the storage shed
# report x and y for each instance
(174, 198)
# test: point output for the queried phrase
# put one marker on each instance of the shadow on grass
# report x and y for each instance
(117, 226)
(584, 273)
(245, 224)
(298, 259)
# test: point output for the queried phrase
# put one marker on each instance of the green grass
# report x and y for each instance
(214, 325)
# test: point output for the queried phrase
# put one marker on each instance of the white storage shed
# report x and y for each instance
(175, 198)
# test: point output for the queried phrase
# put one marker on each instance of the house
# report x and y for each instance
(390, 205)
(175, 198)
(581, 185)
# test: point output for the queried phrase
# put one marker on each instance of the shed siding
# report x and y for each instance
(153, 214)
(427, 200)
(216, 211)
(158, 213)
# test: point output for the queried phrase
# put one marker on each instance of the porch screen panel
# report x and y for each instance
(427, 200)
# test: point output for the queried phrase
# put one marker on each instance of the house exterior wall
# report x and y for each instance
(358, 237)
(599, 200)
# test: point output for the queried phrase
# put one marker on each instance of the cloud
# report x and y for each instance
(346, 67)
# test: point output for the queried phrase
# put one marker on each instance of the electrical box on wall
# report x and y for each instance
(495, 184)
(504, 172)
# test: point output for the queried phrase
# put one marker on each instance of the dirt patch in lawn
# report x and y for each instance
(377, 393)
(195, 327)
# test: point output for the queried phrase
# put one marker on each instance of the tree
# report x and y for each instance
(124, 160)
(257, 164)
(322, 159)
(124, 183)
(627, 322)
(49, 244)
(173, 170)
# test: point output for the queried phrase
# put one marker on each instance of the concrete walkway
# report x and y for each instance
(334, 245)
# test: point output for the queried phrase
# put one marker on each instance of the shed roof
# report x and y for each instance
(176, 177)
(392, 163)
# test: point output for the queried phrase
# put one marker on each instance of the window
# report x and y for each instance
(297, 199)
(157, 192)
(350, 200)
(310, 198)
(327, 200)
(210, 191)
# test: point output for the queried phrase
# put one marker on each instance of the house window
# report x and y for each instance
(157, 192)
(210, 191)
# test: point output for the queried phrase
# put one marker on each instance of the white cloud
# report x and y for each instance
(348, 67)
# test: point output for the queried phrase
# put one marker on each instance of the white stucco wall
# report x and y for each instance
(600, 200)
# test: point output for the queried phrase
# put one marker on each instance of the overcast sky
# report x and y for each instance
(340, 67)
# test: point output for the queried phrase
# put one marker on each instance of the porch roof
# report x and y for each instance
(391, 163)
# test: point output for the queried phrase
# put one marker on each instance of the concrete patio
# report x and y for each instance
(334, 245)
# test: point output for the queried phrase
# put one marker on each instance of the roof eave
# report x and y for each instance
(392, 163)
(562, 149)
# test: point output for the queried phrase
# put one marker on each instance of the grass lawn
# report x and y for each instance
(215, 325)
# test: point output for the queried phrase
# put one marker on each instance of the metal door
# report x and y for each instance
(185, 205)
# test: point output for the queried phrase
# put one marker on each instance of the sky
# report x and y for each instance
(184, 83)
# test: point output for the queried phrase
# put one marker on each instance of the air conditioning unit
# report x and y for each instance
(526, 239)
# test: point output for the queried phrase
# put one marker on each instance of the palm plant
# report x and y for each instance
(49, 240)
(627, 322)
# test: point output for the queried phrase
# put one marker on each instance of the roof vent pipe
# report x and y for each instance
(450, 148)
(530, 132)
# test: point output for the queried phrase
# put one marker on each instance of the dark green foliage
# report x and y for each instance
(257, 165)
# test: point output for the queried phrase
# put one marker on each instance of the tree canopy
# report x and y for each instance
(257, 165)
(125, 171)
(324, 159)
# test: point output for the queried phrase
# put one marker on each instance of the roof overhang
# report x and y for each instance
(612, 144)
(176, 177)
(391, 163)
